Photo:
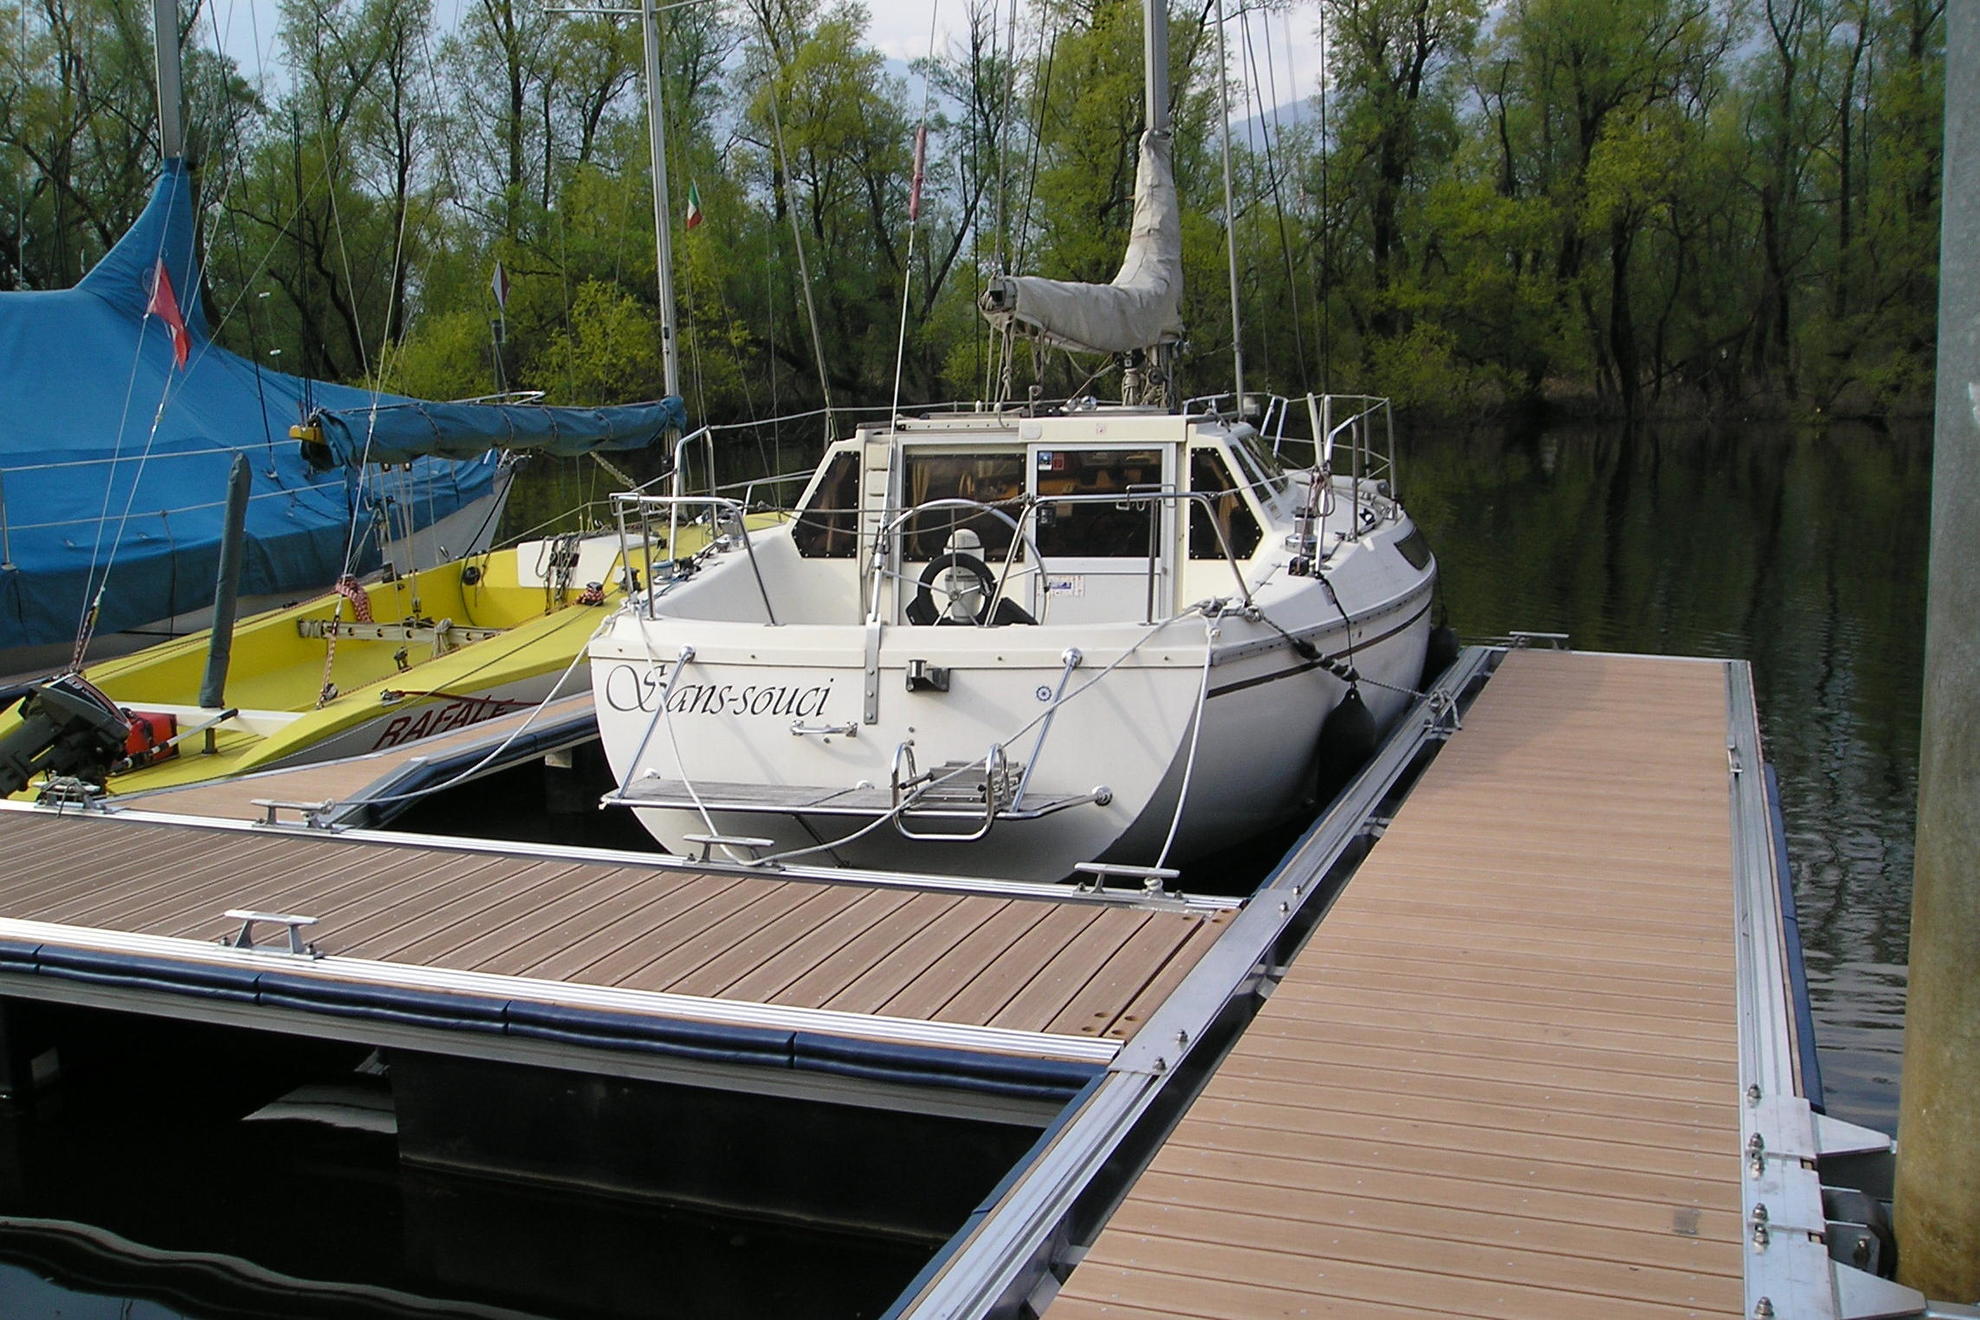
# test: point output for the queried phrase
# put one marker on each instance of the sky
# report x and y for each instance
(1285, 50)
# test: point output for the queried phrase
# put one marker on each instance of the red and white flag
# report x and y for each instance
(920, 162)
(165, 307)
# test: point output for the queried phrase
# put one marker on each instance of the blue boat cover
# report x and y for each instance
(114, 460)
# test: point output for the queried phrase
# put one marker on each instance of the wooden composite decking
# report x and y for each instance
(1501, 1079)
(1018, 963)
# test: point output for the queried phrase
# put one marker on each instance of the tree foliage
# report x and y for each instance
(1635, 204)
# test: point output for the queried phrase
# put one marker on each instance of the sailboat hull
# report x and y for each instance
(766, 737)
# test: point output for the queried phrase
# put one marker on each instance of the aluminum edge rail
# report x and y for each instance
(1788, 1269)
(1006, 1254)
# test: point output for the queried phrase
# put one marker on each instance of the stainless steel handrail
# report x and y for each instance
(717, 505)
(707, 438)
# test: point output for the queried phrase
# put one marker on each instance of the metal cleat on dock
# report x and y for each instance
(244, 939)
(313, 813)
(708, 842)
(1154, 879)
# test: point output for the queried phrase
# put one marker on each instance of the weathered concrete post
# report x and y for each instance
(1938, 1176)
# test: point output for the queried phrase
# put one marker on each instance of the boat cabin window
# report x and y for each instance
(828, 528)
(986, 478)
(1415, 549)
(1110, 529)
(1209, 473)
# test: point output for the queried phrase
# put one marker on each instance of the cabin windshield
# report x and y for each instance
(1227, 513)
(1265, 471)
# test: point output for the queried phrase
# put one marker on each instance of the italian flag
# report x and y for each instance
(694, 205)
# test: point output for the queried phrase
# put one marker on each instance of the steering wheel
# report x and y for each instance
(923, 608)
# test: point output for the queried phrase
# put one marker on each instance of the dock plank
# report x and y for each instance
(1110, 1003)
(1501, 1078)
(773, 978)
(929, 990)
(600, 924)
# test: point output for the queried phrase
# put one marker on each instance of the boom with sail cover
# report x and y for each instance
(1141, 308)
(396, 430)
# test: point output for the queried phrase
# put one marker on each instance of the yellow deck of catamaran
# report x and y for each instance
(276, 668)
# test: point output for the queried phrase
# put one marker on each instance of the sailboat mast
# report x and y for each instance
(656, 134)
(165, 40)
(1155, 58)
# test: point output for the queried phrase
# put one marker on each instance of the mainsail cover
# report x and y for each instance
(1141, 309)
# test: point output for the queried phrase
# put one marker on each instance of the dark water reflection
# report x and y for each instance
(1802, 551)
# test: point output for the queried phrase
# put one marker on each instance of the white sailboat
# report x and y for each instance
(1030, 641)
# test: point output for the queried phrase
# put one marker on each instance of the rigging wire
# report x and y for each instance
(1006, 342)
(790, 206)
(1268, 129)
(20, 177)
(1320, 290)
(1230, 208)
(914, 216)
(95, 588)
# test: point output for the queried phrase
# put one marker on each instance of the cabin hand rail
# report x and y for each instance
(717, 506)
(707, 438)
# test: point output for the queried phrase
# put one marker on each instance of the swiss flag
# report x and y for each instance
(166, 307)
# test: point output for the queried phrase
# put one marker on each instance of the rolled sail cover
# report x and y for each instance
(398, 430)
(1143, 305)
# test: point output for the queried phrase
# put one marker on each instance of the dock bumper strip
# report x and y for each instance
(139, 973)
(418, 1008)
(997, 1074)
(983, 1062)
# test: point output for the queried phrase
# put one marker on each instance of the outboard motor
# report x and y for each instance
(67, 727)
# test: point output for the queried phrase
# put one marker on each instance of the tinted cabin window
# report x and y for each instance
(1091, 528)
(1208, 473)
(1415, 549)
(985, 478)
(829, 526)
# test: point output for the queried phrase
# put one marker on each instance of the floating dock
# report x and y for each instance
(1510, 1032)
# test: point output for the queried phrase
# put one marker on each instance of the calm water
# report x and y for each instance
(1802, 551)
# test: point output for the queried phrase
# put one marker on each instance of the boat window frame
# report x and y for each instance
(829, 524)
(1266, 472)
(1210, 547)
(1165, 455)
(908, 539)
